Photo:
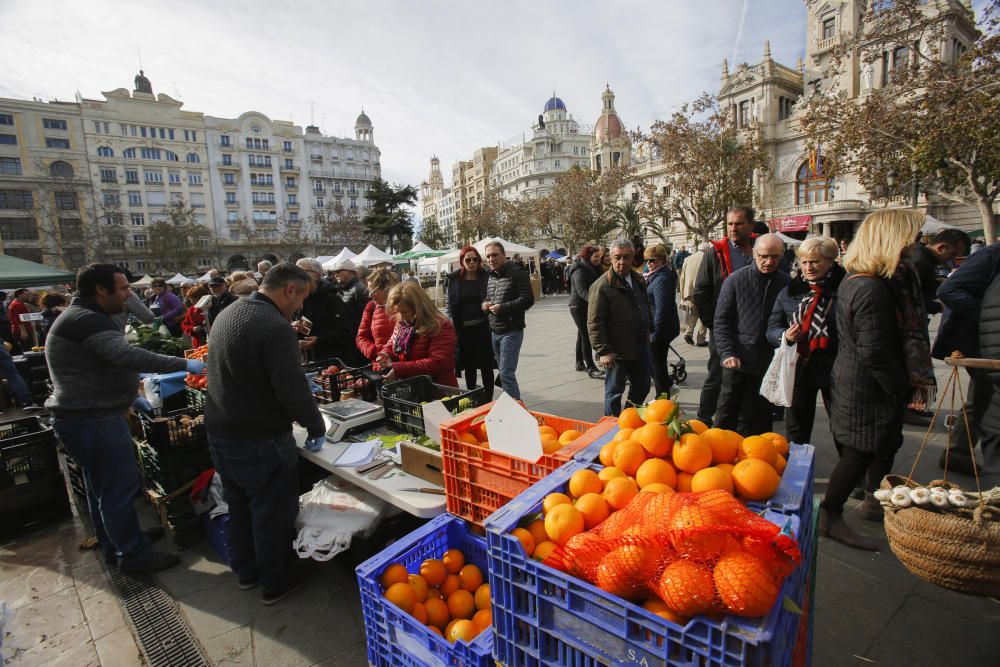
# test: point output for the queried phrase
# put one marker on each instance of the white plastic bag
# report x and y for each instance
(331, 514)
(779, 380)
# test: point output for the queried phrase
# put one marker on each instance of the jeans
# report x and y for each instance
(709, 399)
(260, 481)
(103, 448)
(584, 352)
(506, 349)
(741, 407)
(660, 367)
(9, 372)
(636, 371)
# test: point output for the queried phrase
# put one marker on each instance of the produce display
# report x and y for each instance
(157, 338)
(552, 438)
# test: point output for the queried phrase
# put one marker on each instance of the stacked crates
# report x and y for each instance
(403, 401)
(32, 488)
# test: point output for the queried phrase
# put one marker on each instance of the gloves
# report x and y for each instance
(195, 367)
(140, 403)
(314, 444)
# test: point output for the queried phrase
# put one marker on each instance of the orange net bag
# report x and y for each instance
(697, 552)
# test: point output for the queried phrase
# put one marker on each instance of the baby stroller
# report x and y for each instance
(678, 369)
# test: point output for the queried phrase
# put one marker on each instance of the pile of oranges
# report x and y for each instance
(448, 595)
(552, 439)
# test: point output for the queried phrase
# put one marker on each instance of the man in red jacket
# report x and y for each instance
(18, 306)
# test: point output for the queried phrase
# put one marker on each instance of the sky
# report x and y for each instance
(437, 77)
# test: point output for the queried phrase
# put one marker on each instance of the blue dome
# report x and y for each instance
(555, 104)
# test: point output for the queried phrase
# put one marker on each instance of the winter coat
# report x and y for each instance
(661, 290)
(618, 319)
(815, 369)
(332, 324)
(582, 276)
(474, 348)
(925, 265)
(509, 288)
(869, 383)
(429, 355)
(714, 269)
(454, 293)
(962, 295)
(745, 303)
(355, 296)
(171, 310)
(375, 330)
(218, 303)
(688, 274)
(194, 319)
(989, 343)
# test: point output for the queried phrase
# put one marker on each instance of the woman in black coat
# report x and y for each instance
(585, 270)
(805, 315)
(466, 293)
(661, 290)
(873, 378)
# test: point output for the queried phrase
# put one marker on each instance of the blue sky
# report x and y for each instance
(436, 77)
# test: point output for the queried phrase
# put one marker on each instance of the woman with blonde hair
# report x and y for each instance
(423, 342)
(878, 365)
(376, 325)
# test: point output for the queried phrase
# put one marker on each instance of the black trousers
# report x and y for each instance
(584, 351)
(741, 407)
(709, 399)
(488, 379)
(801, 414)
(853, 467)
(661, 369)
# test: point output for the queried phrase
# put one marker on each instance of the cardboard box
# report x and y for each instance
(422, 462)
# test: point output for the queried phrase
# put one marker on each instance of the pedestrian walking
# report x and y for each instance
(583, 272)
(694, 328)
(508, 297)
(661, 290)
(989, 343)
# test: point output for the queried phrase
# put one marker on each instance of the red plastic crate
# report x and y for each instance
(480, 481)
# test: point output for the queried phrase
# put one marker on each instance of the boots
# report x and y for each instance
(834, 527)
(871, 508)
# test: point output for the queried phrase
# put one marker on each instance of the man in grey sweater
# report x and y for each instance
(257, 390)
(95, 380)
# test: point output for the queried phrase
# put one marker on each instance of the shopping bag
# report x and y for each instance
(779, 380)
(331, 514)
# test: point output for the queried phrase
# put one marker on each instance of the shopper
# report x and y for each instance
(53, 304)
(694, 328)
(661, 289)
(23, 332)
(134, 307)
(85, 344)
(352, 292)
(221, 296)
(168, 306)
(466, 293)
(508, 296)
(939, 252)
(989, 343)
(585, 270)
(332, 331)
(376, 324)
(16, 384)
(195, 325)
(423, 341)
(257, 391)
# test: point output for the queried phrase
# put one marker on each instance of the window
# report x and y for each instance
(263, 197)
(141, 265)
(163, 135)
(70, 229)
(139, 240)
(150, 153)
(174, 177)
(785, 108)
(354, 203)
(293, 200)
(195, 179)
(293, 218)
(75, 256)
(232, 216)
(290, 183)
(812, 188)
(18, 229)
(170, 155)
(113, 218)
(230, 197)
(123, 264)
(10, 165)
(170, 134)
(105, 151)
(65, 201)
(829, 27)
(319, 202)
(117, 241)
(8, 139)
(142, 130)
(197, 200)
(53, 124)
(131, 175)
(112, 198)
(558, 164)
(227, 159)
(289, 164)
(6, 119)
(134, 198)
(743, 120)
(138, 220)
(224, 140)
(56, 143)
(61, 169)
(288, 147)
(250, 142)
(154, 176)
(228, 179)
(190, 135)
(129, 153)
(958, 49)
(156, 198)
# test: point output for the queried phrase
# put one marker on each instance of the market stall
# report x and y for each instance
(16, 272)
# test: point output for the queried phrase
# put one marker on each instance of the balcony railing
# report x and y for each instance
(819, 207)
(292, 169)
(319, 173)
(828, 43)
(228, 165)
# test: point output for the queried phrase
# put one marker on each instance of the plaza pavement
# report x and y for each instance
(869, 609)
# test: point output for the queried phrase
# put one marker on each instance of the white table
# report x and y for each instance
(388, 487)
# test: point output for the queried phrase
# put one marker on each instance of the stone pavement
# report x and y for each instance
(869, 609)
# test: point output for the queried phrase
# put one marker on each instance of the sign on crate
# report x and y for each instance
(513, 430)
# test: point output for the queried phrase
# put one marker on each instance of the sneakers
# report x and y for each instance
(153, 534)
(596, 373)
(34, 407)
(296, 579)
(247, 584)
(156, 561)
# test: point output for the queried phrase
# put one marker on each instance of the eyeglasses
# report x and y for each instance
(472, 260)
(774, 258)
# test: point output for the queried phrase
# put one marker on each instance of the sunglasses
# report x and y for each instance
(652, 259)
(472, 260)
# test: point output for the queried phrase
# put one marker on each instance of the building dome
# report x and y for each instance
(555, 104)
(608, 128)
(363, 120)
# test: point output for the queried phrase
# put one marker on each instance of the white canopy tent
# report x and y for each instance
(343, 254)
(323, 259)
(205, 278)
(179, 279)
(145, 281)
(372, 256)
(788, 240)
(510, 248)
(932, 225)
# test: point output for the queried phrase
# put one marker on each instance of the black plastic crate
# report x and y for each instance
(27, 449)
(25, 506)
(403, 401)
(171, 468)
(361, 379)
(174, 429)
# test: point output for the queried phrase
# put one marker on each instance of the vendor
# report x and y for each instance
(423, 341)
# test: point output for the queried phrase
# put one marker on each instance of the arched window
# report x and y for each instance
(105, 151)
(129, 153)
(61, 169)
(193, 157)
(170, 155)
(812, 188)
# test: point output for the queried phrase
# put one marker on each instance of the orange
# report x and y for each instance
(563, 522)
(394, 574)
(653, 471)
(420, 613)
(437, 613)
(554, 499)
(692, 453)
(629, 455)
(483, 619)
(546, 429)
(608, 474)
(464, 630)
(629, 418)
(537, 530)
(779, 441)
(569, 436)
(756, 447)
(419, 586)
(550, 445)
(707, 479)
(583, 482)
(684, 482)
(469, 438)
(526, 538)
(461, 604)
(450, 585)
(480, 431)
(472, 577)
(623, 571)
(434, 593)
(623, 434)
(543, 549)
(657, 487)
(687, 588)
(436, 630)
(659, 607)
(433, 571)
(754, 479)
(779, 466)
(594, 508)
(724, 447)
(620, 491)
(654, 438)
(697, 426)
(606, 457)
(697, 532)
(451, 624)
(659, 410)
(485, 444)
(402, 595)
(728, 467)
(453, 559)
(744, 583)
(482, 597)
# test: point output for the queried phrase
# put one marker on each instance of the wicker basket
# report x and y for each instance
(957, 549)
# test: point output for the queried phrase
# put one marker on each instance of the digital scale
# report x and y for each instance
(350, 416)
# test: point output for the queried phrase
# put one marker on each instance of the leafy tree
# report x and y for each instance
(391, 211)
(933, 127)
(708, 165)
(627, 218)
(338, 227)
(432, 234)
(175, 243)
(495, 216)
(581, 207)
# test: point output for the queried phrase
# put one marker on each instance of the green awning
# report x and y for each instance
(15, 272)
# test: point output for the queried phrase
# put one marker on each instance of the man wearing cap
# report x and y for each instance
(221, 297)
(352, 292)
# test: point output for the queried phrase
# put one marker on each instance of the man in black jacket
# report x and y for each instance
(257, 389)
(739, 329)
(221, 297)
(332, 332)
(989, 342)
(943, 247)
(352, 292)
(508, 296)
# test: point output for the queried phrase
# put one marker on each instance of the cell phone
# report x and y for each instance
(305, 325)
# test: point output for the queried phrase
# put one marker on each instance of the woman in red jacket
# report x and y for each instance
(376, 325)
(194, 320)
(423, 342)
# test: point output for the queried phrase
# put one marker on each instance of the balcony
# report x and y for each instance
(824, 45)
(292, 204)
(232, 204)
(846, 208)
(291, 186)
(291, 170)
(228, 165)
(259, 165)
(319, 173)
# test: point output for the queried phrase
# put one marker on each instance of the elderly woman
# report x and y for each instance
(466, 293)
(585, 270)
(878, 362)
(805, 315)
(376, 324)
(661, 291)
(423, 342)
(168, 305)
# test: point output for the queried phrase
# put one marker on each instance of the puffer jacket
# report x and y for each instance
(582, 276)
(375, 330)
(989, 343)
(741, 315)
(511, 290)
(618, 319)
(962, 295)
(661, 289)
(429, 355)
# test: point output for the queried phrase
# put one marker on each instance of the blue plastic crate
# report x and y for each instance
(395, 637)
(795, 494)
(217, 530)
(542, 616)
(590, 453)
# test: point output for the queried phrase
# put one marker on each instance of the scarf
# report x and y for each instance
(404, 341)
(912, 318)
(813, 316)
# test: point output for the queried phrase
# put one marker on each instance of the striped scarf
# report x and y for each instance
(812, 316)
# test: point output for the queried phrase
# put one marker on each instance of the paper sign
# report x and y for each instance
(31, 317)
(434, 414)
(512, 430)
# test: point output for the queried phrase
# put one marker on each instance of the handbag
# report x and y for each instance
(779, 380)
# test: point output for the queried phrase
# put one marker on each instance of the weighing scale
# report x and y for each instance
(350, 416)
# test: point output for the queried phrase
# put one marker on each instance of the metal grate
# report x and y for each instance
(163, 637)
